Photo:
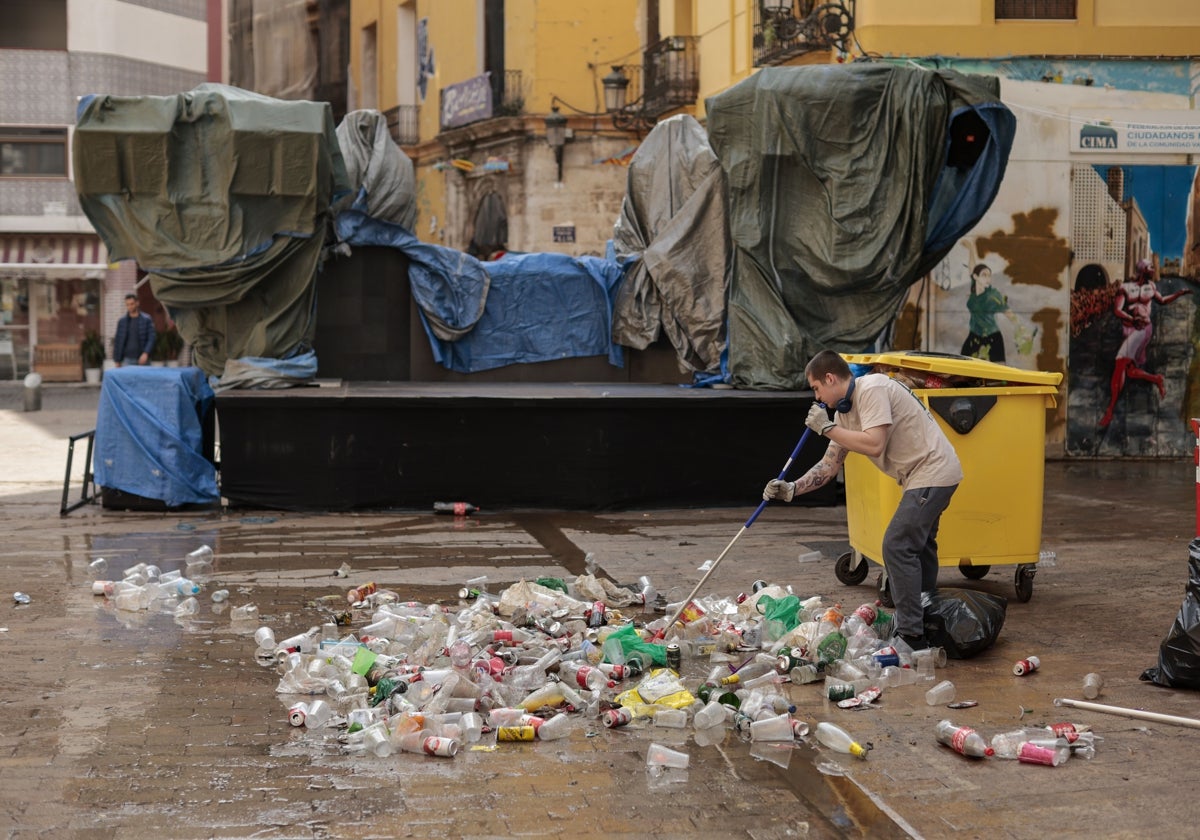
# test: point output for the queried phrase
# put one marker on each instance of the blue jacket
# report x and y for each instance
(145, 335)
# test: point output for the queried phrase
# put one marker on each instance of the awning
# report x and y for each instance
(36, 253)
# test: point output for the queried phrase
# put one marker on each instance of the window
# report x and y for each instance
(33, 152)
(1035, 9)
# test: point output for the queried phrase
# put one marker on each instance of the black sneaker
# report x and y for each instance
(914, 642)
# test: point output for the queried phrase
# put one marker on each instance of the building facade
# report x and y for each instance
(55, 280)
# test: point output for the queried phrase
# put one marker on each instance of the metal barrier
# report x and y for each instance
(89, 488)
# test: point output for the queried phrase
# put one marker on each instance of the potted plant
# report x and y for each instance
(91, 350)
(167, 346)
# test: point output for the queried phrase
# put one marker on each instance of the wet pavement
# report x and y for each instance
(127, 725)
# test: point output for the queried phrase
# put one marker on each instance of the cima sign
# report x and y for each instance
(1134, 132)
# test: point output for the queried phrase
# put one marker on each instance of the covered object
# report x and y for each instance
(846, 183)
(223, 197)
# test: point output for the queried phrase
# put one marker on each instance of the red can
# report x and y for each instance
(614, 718)
(359, 593)
(1026, 666)
(596, 615)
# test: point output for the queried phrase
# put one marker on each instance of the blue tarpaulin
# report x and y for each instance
(150, 435)
(519, 309)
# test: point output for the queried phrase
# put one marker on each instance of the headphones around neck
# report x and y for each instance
(843, 405)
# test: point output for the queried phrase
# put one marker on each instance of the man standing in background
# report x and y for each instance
(135, 335)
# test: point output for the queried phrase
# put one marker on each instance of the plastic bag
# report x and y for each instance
(629, 640)
(964, 622)
(782, 613)
(1179, 654)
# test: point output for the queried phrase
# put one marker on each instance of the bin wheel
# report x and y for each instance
(885, 592)
(1023, 581)
(847, 572)
(974, 572)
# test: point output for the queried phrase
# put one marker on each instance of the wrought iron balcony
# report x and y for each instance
(785, 29)
(671, 74)
(404, 124)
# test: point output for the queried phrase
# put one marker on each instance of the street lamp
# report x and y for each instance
(616, 87)
(556, 135)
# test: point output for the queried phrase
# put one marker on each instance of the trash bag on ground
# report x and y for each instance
(1179, 654)
(964, 622)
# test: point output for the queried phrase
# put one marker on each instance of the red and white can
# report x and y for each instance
(434, 745)
(298, 714)
(597, 614)
(1026, 666)
(614, 718)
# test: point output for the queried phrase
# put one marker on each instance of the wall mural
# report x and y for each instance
(1133, 318)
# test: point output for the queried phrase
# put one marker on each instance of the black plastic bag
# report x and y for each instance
(964, 622)
(1179, 654)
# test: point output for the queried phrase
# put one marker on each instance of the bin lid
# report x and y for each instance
(951, 364)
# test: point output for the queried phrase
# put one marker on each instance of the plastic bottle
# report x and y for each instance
(186, 588)
(837, 739)
(745, 673)
(963, 740)
(1008, 744)
(585, 676)
(455, 508)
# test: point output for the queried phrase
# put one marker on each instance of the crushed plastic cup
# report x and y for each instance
(777, 728)
(1092, 683)
(246, 612)
(188, 606)
(671, 718)
(98, 567)
(940, 694)
(659, 756)
(220, 595)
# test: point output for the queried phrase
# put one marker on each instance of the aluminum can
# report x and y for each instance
(613, 718)
(434, 745)
(1026, 666)
(297, 714)
(596, 614)
(674, 656)
(515, 733)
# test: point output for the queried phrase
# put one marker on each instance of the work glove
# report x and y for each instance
(777, 488)
(818, 419)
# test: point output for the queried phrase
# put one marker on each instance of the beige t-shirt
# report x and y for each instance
(917, 452)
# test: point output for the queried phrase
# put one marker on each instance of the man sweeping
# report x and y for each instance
(883, 420)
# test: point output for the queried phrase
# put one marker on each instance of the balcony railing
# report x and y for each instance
(671, 71)
(510, 101)
(404, 124)
(784, 30)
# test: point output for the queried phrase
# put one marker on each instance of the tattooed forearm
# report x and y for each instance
(823, 471)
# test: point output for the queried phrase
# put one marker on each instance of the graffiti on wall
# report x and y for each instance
(1132, 320)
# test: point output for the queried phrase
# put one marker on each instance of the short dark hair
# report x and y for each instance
(131, 296)
(827, 362)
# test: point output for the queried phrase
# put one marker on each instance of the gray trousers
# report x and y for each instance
(910, 553)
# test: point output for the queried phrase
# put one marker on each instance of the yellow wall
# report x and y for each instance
(968, 28)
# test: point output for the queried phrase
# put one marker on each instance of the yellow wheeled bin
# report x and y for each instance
(995, 416)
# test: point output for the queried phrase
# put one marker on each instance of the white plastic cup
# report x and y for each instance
(319, 714)
(926, 664)
(777, 728)
(659, 756)
(671, 718)
(376, 740)
(1092, 683)
(940, 694)
(264, 637)
(713, 714)
(554, 728)
(472, 727)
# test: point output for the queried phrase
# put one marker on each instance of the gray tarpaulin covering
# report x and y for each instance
(674, 218)
(381, 173)
(832, 171)
(223, 196)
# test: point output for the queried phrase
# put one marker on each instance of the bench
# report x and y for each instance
(58, 362)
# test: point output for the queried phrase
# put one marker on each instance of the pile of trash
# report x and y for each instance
(543, 658)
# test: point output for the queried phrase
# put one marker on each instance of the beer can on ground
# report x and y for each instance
(434, 745)
(674, 656)
(515, 733)
(297, 714)
(1026, 666)
(613, 718)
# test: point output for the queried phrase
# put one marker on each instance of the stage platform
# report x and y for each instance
(342, 445)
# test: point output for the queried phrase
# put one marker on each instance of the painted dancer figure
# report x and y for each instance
(1132, 305)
